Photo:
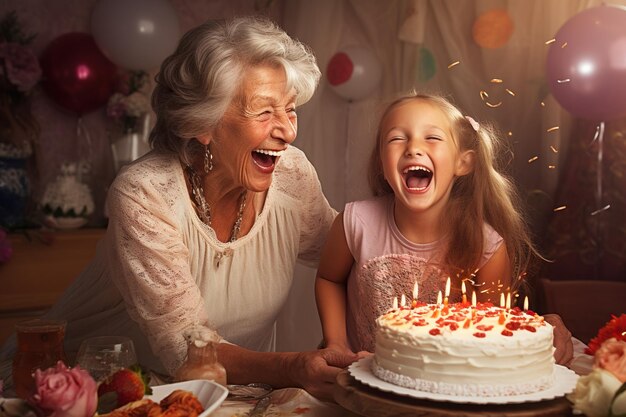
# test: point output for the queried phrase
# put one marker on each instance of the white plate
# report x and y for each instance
(565, 382)
(209, 393)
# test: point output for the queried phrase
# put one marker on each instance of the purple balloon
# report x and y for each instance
(586, 66)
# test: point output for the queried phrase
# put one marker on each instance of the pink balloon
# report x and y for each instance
(586, 66)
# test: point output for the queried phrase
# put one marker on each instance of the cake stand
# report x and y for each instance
(371, 402)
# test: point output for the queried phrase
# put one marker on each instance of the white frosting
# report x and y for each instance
(464, 350)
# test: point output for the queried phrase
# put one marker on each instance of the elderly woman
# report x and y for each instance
(205, 230)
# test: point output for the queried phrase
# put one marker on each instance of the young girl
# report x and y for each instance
(441, 208)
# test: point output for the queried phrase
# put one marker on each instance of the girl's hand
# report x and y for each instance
(562, 340)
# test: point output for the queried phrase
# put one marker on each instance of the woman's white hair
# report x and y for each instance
(199, 80)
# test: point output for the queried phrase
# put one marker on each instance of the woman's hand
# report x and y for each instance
(562, 340)
(317, 370)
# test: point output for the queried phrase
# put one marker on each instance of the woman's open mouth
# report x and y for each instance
(417, 178)
(265, 158)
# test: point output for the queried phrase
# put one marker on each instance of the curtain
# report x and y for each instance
(428, 45)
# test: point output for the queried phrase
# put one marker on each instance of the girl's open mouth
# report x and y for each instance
(417, 178)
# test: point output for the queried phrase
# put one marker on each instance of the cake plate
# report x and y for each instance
(358, 390)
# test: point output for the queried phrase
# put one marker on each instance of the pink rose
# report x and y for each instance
(65, 392)
(611, 356)
(22, 67)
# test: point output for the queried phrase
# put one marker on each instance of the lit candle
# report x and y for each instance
(438, 298)
(502, 299)
(526, 303)
(474, 298)
(395, 303)
(438, 305)
(445, 299)
(463, 292)
(508, 301)
(403, 301)
(415, 291)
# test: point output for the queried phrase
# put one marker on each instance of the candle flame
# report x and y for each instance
(403, 301)
(415, 291)
(395, 303)
(508, 301)
(463, 287)
(501, 299)
(439, 298)
(525, 303)
(448, 287)
(474, 298)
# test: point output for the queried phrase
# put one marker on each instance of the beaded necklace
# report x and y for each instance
(204, 211)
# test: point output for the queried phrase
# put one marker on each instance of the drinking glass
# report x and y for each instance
(104, 355)
(39, 346)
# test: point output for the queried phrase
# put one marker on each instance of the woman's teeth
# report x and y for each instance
(270, 153)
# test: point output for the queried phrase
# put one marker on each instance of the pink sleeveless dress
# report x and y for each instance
(387, 265)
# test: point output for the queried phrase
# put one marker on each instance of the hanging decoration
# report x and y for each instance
(492, 29)
(76, 75)
(354, 72)
(586, 64)
(136, 35)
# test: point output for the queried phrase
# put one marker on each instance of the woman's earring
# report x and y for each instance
(208, 160)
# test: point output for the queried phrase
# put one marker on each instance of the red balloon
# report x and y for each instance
(76, 75)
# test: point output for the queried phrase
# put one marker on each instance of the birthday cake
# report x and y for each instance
(464, 350)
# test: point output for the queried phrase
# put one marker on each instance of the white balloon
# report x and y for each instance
(135, 34)
(364, 77)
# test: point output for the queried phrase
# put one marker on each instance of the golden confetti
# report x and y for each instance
(605, 208)
(498, 104)
(495, 80)
(552, 129)
(510, 92)
(564, 45)
(551, 166)
(483, 95)
(455, 63)
(554, 149)
(559, 208)
(543, 104)
(533, 159)
(565, 80)
(550, 41)
(510, 133)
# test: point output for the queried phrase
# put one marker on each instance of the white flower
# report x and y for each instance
(594, 393)
(136, 104)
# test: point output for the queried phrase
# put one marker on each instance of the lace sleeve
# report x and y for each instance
(149, 264)
(299, 180)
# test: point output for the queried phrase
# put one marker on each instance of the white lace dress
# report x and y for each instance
(155, 274)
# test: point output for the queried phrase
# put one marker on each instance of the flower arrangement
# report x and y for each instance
(19, 74)
(616, 327)
(130, 102)
(601, 393)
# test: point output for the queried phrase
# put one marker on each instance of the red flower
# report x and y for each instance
(616, 327)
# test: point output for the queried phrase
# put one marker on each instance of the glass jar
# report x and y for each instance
(39, 346)
(201, 363)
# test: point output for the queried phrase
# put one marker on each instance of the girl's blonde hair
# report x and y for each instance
(485, 195)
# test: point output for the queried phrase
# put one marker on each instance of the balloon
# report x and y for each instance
(586, 65)
(354, 73)
(426, 66)
(75, 73)
(135, 34)
(492, 29)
